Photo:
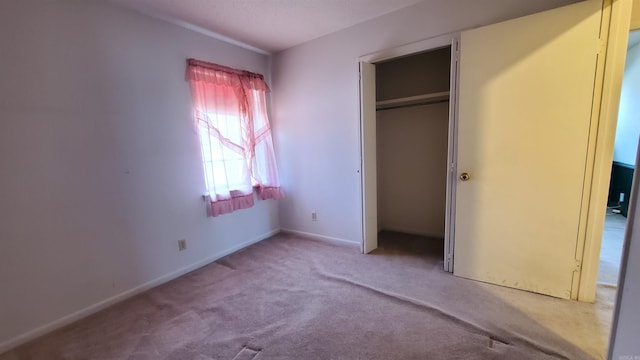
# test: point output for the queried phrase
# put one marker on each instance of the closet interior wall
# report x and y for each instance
(412, 144)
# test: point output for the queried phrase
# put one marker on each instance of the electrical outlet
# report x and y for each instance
(182, 244)
(621, 197)
(314, 216)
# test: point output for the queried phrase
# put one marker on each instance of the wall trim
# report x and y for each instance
(624, 165)
(432, 43)
(321, 237)
(101, 305)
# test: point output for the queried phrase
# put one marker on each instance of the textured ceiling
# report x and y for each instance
(269, 25)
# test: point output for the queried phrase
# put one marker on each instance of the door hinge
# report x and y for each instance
(577, 266)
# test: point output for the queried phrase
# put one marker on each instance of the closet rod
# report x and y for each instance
(429, 102)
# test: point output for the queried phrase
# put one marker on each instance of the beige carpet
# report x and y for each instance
(293, 298)
(612, 241)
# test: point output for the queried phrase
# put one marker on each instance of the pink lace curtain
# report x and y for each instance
(235, 136)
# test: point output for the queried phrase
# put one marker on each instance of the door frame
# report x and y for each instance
(434, 43)
(615, 27)
(368, 144)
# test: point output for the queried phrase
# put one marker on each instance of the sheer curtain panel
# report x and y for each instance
(230, 113)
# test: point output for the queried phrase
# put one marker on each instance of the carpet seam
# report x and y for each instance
(466, 324)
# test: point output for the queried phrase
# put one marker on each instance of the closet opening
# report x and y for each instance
(412, 147)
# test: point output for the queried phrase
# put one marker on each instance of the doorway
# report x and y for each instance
(412, 106)
(622, 172)
(412, 122)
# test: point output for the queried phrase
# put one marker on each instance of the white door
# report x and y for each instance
(368, 156)
(525, 103)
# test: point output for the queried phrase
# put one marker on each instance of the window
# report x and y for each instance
(235, 136)
(223, 167)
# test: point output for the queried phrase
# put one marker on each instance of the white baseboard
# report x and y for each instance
(321, 237)
(56, 324)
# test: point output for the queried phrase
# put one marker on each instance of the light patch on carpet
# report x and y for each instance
(468, 325)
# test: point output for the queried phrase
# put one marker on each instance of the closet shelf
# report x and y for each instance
(412, 100)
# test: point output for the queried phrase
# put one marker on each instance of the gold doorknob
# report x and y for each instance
(465, 176)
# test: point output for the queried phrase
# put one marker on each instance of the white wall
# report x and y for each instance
(628, 127)
(100, 163)
(316, 106)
